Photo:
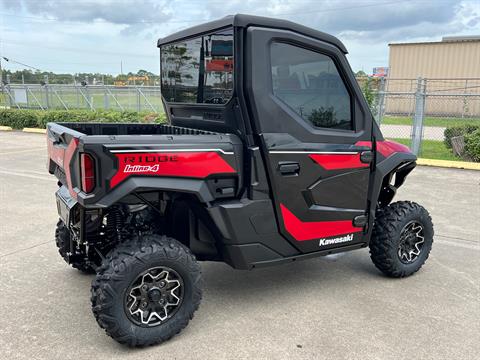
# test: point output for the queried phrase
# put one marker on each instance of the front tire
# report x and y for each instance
(146, 290)
(402, 238)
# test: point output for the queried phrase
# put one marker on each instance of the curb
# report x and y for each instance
(5, 128)
(35, 130)
(449, 164)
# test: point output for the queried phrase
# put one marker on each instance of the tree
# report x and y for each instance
(36, 77)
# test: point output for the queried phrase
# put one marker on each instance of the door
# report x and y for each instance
(309, 112)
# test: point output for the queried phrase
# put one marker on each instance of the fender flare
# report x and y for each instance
(196, 187)
(401, 163)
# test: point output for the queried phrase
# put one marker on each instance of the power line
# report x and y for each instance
(20, 63)
(102, 21)
(77, 50)
(103, 52)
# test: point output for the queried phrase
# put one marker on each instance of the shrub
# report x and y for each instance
(460, 130)
(472, 145)
(19, 119)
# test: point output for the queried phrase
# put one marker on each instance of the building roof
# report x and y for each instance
(445, 40)
(242, 20)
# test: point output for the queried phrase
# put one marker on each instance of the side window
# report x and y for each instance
(310, 84)
(198, 70)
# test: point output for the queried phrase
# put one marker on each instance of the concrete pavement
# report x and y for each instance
(327, 308)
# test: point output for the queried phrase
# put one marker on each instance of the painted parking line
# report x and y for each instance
(26, 175)
(35, 130)
(23, 151)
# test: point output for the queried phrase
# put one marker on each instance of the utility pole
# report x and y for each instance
(1, 75)
(121, 67)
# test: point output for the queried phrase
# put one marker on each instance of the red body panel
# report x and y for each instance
(178, 164)
(55, 153)
(302, 230)
(62, 157)
(338, 161)
(386, 147)
(66, 165)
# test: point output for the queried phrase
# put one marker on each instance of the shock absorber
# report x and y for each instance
(114, 222)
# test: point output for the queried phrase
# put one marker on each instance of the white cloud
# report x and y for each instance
(61, 35)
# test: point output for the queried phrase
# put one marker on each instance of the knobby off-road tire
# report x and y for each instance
(62, 239)
(396, 246)
(144, 259)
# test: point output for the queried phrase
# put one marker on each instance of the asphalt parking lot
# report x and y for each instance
(326, 308)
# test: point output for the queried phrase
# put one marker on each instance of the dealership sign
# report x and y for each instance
(380, 71)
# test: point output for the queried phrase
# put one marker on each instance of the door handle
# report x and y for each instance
(289, 168)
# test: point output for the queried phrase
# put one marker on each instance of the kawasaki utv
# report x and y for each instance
(270, 155)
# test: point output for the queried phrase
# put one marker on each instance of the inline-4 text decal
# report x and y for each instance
(191, 164)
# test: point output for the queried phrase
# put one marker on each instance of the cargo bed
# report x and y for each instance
(132, 129)
(99, 163)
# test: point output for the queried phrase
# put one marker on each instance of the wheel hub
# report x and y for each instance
(411, 242)
(154, 296)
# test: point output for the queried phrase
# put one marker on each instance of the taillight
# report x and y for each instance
(87, 172)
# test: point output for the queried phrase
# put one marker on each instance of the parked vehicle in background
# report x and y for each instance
(271, 155)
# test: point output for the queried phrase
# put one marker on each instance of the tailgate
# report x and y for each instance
(62, 144)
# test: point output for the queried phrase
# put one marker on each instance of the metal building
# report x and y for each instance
(453, 57)
(450, 66)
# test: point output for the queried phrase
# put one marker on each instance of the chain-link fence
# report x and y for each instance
(68, 97)
(416, 112)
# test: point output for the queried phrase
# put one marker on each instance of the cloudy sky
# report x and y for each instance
(96, 35)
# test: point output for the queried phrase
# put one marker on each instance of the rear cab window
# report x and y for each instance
(310, 84)
(198, 70)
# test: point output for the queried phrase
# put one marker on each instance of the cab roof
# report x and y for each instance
(242, 20)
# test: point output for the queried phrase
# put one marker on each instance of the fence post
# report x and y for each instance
(105, 97)
(417, 128)
(465, 106)
(139, 105)
(77, 95)
(88, 96)
(381, 101)
(28, 97)
(47, 97)
(11, 98)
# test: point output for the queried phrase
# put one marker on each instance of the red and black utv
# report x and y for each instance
(270, 155)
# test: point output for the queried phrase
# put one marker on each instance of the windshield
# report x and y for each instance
(198, 70)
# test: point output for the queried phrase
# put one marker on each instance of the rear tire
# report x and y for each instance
(62, 239)
(134, 302)
(402, 238)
